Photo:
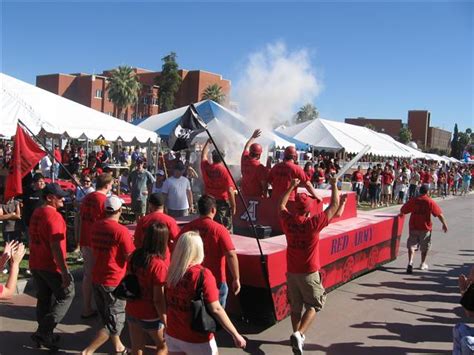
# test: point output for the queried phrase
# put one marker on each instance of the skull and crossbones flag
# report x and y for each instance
(188, 127)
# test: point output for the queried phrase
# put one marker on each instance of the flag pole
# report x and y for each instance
(51, 155)
(252, 224)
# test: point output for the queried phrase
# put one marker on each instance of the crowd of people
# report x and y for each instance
(169, 266)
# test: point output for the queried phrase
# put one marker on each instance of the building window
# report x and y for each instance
(98, 94)
(154, 101)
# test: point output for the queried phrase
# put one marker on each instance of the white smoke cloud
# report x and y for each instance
(275, 84)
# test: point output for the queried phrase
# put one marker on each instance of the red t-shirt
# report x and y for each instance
(280, 177)
(156, 217)
(92, 210)
(253, 174)
(387, 178)
(309, 174)
(321, 176)
(426, 177)
(57, 155)
(302, 238)
(216, 180)
(217, 243)
(357, 176)
(148, 278)
(178, 304)
(46, 225)
(111, 245)
(421, 209)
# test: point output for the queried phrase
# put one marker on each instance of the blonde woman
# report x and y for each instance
(183, 275)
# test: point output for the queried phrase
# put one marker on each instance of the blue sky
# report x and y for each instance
(374, 59)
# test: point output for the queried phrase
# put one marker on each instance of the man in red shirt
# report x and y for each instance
(254, 174)
(420, 226)
(92, 209)
(357, 183)
(219, 184)
(156, 215)
(283, 173)
(302, 255)
(387, 185)
(218, 247)
(111, 245)
(55, 286)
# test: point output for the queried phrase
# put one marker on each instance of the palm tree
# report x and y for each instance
(214, 92)
(307, 113)
(123, 88)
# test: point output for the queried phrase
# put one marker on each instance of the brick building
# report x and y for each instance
(388, 126)
(91, 90)
(439, 139)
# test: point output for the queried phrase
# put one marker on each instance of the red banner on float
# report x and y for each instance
(26, 154)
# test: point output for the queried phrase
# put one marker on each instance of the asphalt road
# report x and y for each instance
(384, 312)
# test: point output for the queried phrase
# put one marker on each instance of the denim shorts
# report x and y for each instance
(146, 324)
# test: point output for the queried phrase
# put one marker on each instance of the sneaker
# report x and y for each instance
(5, 271)
(424, 266)
(28, 272)
(410, 269)
(297, 342)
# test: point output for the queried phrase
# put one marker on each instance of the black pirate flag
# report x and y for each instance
(188, 127)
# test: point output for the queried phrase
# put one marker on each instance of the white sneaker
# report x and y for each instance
(424, 266)
(5, 271)
(297, 343)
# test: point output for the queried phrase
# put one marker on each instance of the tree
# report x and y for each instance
(370, 126)
(307, 113)
(405, 135)
(463, 141)
(214, 92)
(123, 88)
(169, 82)
(455, 143)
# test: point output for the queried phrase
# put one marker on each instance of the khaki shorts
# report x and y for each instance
(386, 189)
(421, 239)
(307, 290)
(139, 207)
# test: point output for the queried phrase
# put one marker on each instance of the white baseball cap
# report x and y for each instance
(113, 203)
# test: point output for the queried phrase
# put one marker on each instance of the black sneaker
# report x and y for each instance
(410, 269)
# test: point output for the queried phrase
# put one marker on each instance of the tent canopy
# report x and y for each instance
(219, 120)
(331, 135)
(41, 110)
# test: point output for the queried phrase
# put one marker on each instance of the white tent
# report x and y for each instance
(331, 135)
(41, 110)
(219, 120)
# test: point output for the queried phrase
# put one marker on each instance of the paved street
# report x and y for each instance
(384, 312)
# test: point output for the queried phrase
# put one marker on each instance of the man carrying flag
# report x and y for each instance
(26, 154)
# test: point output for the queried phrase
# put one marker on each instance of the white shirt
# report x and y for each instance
(176, 189)
(45, 166)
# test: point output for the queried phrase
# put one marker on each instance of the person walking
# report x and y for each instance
(54, 282)
(184, 274)
(302, 255)
(218, 247)
(420, 226)
(139, 181)
(177, 193)
(111, 245)
(147, 314)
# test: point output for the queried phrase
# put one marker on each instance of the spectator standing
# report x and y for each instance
(302, 255)
(32, 199)
(92, 210)
(177, 193)
(86, 188)
(387, 186)
(139, 181)
(156, 215)
(254, 174)
(218, 247)
(420, 226)
(112, 246)
(357, 180)
(45, 166)
(57, 161)
(160, 179)
(147, 314)
(55, 285)
(414, 183)
(219, 184)
(466, 181)
(183, 276)
(136, 154)
(124, 157)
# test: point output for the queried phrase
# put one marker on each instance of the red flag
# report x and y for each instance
(26, 154)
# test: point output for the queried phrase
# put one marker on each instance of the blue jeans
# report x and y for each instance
(463, 339)
(223, 292)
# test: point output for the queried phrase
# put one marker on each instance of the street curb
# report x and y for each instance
(28, 285)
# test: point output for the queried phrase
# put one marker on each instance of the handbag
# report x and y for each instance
(202, 321)
(128, 288)
(467, 299)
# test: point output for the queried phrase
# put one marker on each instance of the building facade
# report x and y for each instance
(388, 126)
(419, 123)
(91, 90)
(439, 139)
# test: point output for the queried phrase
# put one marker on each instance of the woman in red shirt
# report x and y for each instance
(147, 315)
(184, 272)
